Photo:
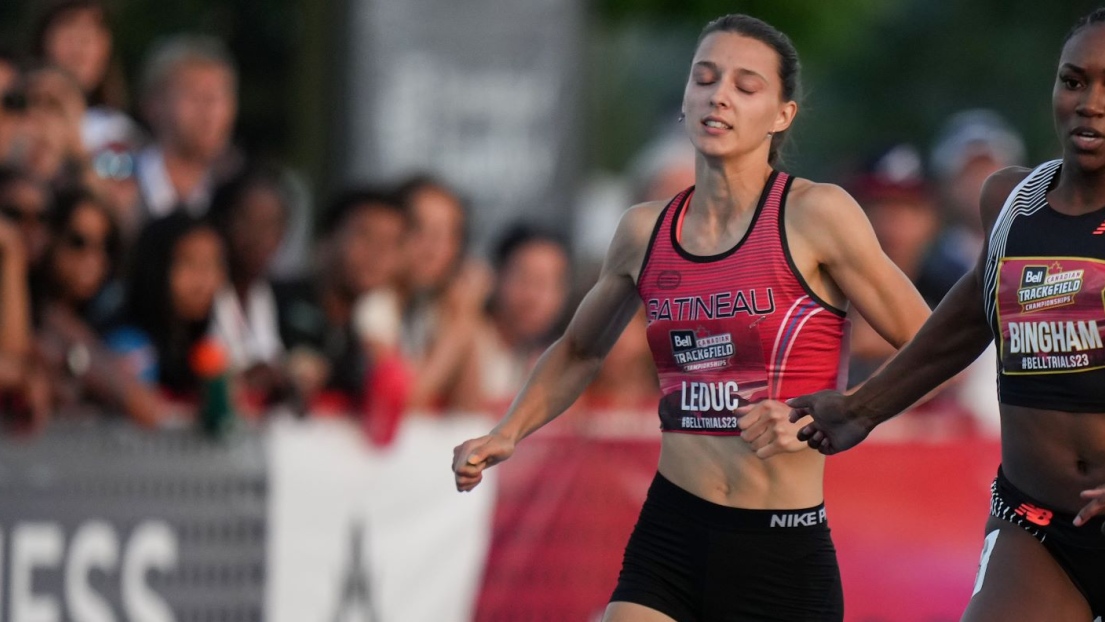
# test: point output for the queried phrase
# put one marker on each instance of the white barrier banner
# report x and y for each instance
(359, 533)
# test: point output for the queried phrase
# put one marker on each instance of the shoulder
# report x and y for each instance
(635, 231)
(996, 189)
(814, 204)
(825, 219)
(639, 221)
(627, 249)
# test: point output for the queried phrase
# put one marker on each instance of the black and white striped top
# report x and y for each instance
(1045, 298)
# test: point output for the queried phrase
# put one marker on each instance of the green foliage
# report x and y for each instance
(876, 71)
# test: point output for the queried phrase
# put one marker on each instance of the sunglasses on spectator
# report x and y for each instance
(17, 214)
(14, 101)
(77, 241)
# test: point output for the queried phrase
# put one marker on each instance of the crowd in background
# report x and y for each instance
(138, 245)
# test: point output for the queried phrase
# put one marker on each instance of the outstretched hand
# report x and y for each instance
(834, 428)
(471, 457)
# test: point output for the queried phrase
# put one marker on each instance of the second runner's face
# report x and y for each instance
(733, 97)
(1078, 99)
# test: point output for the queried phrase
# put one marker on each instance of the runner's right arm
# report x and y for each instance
(568, 365)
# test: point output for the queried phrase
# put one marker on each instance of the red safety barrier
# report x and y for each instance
(907, 520)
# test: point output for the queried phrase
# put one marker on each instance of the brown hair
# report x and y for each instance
(112, 89)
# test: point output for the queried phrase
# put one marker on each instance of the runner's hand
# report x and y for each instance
(471, 457)
(766, 428)
(834, 428)
(1096, 506)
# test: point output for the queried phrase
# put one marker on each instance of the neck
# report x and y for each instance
(725, 188)
(1079, 190)
(186, 172)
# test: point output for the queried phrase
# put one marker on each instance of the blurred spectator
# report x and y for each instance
(342, 324)
(9, 71)
(627, 381)
(15, 319)
(56, 107)
(972, 145)
(170, 297)
(81, 258)
(24, 386)
(113, 171)
(900, 206)
(903, 213)
(526, 308)
(663, 169)
(439, 233)
(901, 209)
(189, 95)
(444, 294)
(25, 203)
(251, 213)
(76, 36)
(13, 109)
(293, 258)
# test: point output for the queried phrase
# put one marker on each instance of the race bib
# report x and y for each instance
(1050, 312)
(708, 369)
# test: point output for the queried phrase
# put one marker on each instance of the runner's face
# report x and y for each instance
(1078, 99)
(733, 97)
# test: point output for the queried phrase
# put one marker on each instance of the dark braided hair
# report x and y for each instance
(1097, 16)
(789, 67)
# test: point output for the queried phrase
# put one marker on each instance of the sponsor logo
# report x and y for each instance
(1034, 514)
(1047, 287)
(668, 279)
(794, 519)
(1100, 231)
(696, 351)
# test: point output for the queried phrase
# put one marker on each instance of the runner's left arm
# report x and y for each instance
(825, 219)
(953, 337)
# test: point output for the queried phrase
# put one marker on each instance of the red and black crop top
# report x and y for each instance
(736, 327)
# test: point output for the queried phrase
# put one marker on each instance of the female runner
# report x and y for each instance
(1039, 290)
(745, 278)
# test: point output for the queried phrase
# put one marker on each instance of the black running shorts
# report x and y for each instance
(697, 561)
(1080, 551)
